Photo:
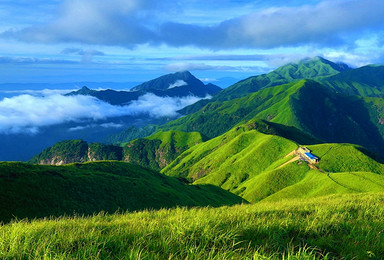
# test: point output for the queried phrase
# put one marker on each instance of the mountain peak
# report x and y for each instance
(85, 88)
(183, 73)
(320, 61)
(83, 91)
(164, 82)
(310, 68)
(316, 68)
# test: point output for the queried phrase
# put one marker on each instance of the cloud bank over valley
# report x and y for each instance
(27, 113)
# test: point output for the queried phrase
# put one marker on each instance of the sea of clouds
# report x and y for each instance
(27, 113)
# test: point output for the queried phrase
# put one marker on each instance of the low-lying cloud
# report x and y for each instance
(27, 113)
(42, 92)
(156, 106)
(183, 66)
(178, 83)
(104, 125)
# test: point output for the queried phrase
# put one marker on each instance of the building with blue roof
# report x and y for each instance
(311, 158)
(306, 155)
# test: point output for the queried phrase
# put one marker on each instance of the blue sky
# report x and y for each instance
(60, 41)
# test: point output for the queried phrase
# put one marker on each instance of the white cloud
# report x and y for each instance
(157, 106)
(178, 83)
(104, 125)
(27, 113)
(208, 79)
(130, 23)
(43, 92)
(183, 66)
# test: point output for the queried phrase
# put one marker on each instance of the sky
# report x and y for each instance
(59, 41)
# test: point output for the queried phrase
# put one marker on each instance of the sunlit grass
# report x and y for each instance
(348, 226)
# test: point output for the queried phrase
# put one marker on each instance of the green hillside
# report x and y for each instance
(337, 118)
(365, 81)
(257, 166)
(315, 68)
(155, 151)
(332, 227)
(220, 116)
(36, 191)
(71, 151)
(131, 133)
(306, 105)
(159, 149)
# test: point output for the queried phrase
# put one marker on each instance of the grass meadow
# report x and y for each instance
(334, 227)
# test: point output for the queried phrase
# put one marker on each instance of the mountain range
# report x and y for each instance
(179, 84)
(23, 146)
(248, 138)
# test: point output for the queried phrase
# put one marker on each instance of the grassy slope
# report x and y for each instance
(159, 149)
(334, 227)
(316, 68)
(250, 164)
(337, 118)
(365, 81)
(177, 138)
(38, 191)
(218, 117)
(306, 105)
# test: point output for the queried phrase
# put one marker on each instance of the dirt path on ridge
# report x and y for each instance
(292, 160)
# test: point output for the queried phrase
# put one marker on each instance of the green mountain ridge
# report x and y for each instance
(319, 113)
(71, 151)
(247, 144)
(365, 81)
(259, 166)
(207, 116)
(307, 105)
(36, 191)
(155, 151)
(315, 68)
(311, 68)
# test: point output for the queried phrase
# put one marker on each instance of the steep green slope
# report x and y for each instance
(159, 149)
(39, 191)
(235, 150)
(315, 68)
(220, 116)
(71, 151)
(256, 166)
(365, 81)
(131, 133)
(337, 118)
(306, 105)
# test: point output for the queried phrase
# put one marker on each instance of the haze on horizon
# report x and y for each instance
(136, 40)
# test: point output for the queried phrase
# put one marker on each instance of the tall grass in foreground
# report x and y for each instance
(348, 227)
